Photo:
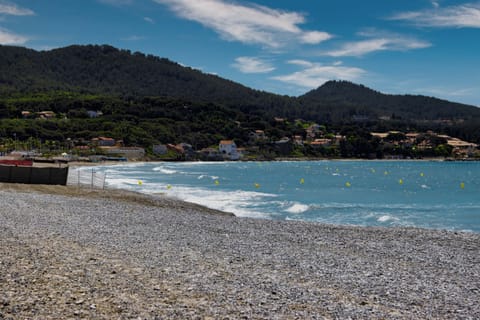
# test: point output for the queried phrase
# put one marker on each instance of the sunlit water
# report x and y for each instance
(439, 195)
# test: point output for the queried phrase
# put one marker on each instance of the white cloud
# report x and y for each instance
(133, 38)
(314, 37)
(253, 65)
(301, 63)
(8, 38)
(14, 10)
(378, 41)
(253, 24)
(459, 16)
(315, 74)
(149, 20)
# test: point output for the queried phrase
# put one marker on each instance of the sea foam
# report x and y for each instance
(297, 208)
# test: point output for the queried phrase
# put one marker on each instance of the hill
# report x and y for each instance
(359, 100)
(107, 70)
(110, 71)
(145, 99)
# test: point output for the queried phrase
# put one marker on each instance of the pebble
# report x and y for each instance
(97, 257)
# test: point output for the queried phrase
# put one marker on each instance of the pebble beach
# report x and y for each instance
(68, 253)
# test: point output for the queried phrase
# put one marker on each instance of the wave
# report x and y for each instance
(386, 218)
(123, 183)
(110, 166)
(321, 199)
(297, 208)
(200, 177)
(164, 170)
(241, 203)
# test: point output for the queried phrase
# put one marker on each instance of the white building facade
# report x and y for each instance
(228, 149)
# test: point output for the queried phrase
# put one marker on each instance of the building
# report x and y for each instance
(257, 135)
(313, 131)
(298, 140)
(131, 153)
(462, 148)
(229, 150)
(188, 150)
(159, 149)
(324, 142)
(103, 142)
(284, 146)
(94, 114)
(46, 115)
(26, 114)
(210, 154)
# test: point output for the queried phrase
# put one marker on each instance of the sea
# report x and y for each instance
(425, 194)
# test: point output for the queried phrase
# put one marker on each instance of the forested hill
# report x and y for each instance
(107, 71)
(360, 100)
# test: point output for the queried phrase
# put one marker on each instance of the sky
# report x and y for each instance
(426, 47)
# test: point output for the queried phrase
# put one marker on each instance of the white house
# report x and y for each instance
(229, 150)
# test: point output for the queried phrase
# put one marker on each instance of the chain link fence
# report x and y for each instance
(86, 178)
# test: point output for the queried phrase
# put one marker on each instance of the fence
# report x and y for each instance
(32, 175)
(86, 178)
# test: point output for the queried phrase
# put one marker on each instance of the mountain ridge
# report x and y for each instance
(344, 93)
(103, 69)
(114, 71)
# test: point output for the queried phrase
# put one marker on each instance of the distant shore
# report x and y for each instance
(73, 253)
(108, 163)
(74, 164)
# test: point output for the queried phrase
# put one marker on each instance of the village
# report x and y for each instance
(313, 142)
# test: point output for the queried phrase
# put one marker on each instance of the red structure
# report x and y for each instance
(24, 163)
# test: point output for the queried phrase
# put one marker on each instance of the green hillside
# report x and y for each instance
(145, 100)
(357, 99)
(110, 71)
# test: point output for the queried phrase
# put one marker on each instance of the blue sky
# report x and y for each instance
(288, 47)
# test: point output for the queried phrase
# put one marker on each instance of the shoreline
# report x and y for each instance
(107, 163)
(93, 254)
(132, 186)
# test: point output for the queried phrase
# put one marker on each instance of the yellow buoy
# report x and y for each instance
(462, 185)
(140, 182)
(169, 186)
(400, 181)
(302, 181)
(217, 182)
(421, 174)
(257, 185)
(385, 172)
(348, 184)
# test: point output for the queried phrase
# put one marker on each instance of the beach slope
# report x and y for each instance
(75, 253)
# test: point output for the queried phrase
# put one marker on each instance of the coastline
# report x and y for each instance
(68, 252)
(278, 159)
(420, 186)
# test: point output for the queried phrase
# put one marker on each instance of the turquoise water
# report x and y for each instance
(439, 195)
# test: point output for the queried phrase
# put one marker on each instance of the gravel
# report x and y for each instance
(112, 254)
